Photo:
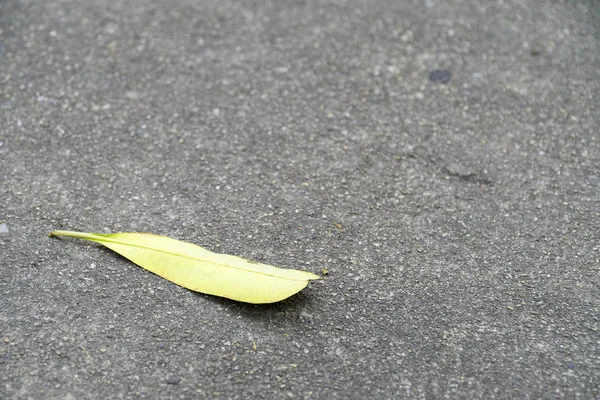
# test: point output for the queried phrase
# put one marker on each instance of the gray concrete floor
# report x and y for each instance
(440, 158)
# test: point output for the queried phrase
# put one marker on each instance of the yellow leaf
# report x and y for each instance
(198, 269)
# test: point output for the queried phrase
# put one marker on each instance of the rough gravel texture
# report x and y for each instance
(441, 159)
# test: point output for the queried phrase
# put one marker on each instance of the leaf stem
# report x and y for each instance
(80, 235)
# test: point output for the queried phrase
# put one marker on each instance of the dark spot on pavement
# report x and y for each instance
(173, 379)
(440, 75)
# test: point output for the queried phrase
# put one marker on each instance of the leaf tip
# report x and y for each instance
(314, 277)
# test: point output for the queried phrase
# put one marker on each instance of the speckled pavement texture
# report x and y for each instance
(441, 159)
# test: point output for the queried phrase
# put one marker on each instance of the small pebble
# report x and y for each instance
(132, 95)
(173, 379)
(459, 170)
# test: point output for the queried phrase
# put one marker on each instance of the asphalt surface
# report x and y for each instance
(441, 159)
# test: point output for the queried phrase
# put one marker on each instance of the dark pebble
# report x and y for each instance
(173, 380)
(440, 75)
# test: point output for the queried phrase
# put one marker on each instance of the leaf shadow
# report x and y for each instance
(286, 311)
